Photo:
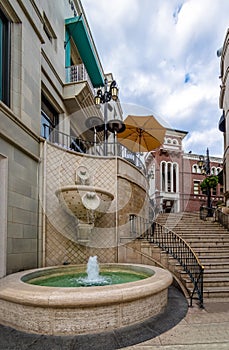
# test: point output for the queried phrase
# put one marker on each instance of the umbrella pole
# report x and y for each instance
(95, 139)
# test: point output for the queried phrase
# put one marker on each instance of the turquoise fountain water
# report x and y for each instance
(89, 278)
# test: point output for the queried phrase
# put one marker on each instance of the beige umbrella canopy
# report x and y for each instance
(142, 133)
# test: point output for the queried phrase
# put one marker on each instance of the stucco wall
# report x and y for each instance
(125, 182)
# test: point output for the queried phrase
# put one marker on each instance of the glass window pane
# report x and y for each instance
(4, 59)
(1, 43)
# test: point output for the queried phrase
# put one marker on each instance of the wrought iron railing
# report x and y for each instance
(222, 218)
(76, 144)
(176, 246)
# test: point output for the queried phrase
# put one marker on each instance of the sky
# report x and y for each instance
(163, 55)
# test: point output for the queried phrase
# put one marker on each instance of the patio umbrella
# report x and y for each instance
(142, 133)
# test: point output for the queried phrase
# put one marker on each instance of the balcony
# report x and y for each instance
(74, 74)
(77, 30)
(78, 92)
(76, 144)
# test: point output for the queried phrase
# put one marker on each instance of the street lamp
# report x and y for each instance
(204, 165)
(104, 98)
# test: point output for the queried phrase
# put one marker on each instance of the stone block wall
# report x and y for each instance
(19, 196)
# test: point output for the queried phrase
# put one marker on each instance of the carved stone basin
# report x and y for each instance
(85, 202)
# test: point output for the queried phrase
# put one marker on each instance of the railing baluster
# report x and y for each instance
(173, 244)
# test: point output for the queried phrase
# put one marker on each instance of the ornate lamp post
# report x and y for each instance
(110, 92)
(204, 165)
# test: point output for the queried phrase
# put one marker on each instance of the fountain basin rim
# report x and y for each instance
(13, 289)
(86, 188)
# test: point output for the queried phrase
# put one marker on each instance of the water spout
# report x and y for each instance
(93, 268)
(93, 278)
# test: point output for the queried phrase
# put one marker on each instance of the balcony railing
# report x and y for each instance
(76, 144)
(76, 74)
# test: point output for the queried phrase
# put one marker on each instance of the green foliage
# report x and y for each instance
(209, 182)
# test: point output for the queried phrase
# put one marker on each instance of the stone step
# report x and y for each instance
(216, 272)
(210, 282)
(210, 242)
(216, 292)
(209, 274)
(207, 243)
(205, 236)
(196, 230)
(216, 265)
(206, 239)
(212, 257)
(212, 250)
(216, 281)
(193, 225)
(195, 222)
(212, 254)
(201, 245)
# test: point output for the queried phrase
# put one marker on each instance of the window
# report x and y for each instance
(218, 171)
(49, 120)
(194, 168)
(4, 59)
(48, 29)
(213, 170)
(169, 173)
(169, 177)
(175, 172)
(196, 187)
(163, 176)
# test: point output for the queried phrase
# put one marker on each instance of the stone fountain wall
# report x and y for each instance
(115, 175)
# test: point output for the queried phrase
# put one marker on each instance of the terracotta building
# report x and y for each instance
(175, 177)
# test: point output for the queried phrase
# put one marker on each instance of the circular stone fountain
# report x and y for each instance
(66, 310)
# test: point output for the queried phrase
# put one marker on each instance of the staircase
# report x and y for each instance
(210, 242)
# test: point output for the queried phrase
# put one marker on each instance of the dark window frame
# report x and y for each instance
(5, 59)
(49, 120)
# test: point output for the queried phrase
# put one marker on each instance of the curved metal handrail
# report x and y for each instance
(179, 249)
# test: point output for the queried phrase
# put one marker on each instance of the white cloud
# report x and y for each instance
(199, 141)
(151, 47)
